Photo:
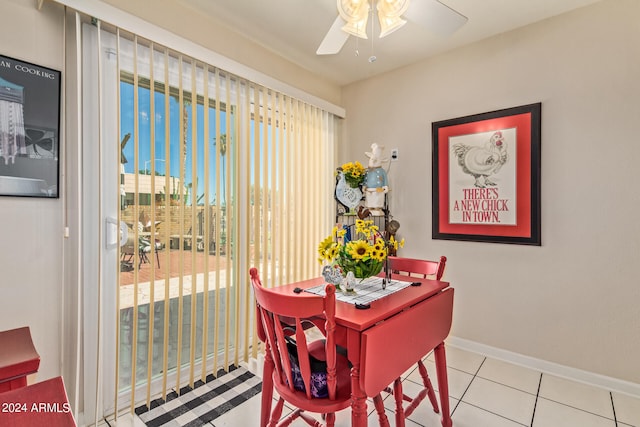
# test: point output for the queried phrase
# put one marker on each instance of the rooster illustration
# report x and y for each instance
(348, 196)
(482, 161)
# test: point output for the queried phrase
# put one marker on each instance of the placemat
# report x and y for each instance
(367, 291)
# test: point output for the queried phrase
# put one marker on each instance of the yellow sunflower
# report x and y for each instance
(332, 252)
(324, 248)
(393, 242)
(378, 255)
(366, 228)
(358, 249)
(353, 173)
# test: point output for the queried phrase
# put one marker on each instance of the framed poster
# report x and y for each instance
(486, 177)
(29, 129)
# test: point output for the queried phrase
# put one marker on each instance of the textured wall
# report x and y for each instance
(574, 300)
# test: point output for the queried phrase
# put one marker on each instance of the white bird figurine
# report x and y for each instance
(332, 274)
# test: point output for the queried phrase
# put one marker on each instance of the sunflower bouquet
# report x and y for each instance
(354, 173)
(363, 255)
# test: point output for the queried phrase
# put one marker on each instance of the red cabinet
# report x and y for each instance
(18, 358)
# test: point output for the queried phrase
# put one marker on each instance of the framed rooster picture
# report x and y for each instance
(486, 177)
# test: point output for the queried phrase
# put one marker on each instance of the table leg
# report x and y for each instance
(443, 384)
(358, 400)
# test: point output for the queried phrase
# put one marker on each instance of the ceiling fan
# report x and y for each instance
(354, 14)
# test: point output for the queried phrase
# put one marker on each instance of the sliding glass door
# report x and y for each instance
(202, 174)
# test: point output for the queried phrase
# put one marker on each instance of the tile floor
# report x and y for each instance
(485, 392)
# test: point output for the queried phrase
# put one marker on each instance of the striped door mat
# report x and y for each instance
(204, 403)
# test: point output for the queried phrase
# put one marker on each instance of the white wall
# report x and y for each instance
(32, 228)
(575, 300)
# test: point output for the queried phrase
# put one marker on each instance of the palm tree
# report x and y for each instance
(223, 151)
(123, 160)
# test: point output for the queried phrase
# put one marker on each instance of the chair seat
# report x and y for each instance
(343, 388)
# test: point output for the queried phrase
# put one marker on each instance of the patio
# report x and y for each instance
(172, 258)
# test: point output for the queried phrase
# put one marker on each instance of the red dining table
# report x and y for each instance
(388, 338)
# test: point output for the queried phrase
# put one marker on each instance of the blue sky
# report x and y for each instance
(144, 136)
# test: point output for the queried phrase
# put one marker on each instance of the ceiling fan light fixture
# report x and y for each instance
(389, 15)
(392, 8)
(352, 10)
(356, 13)
(357, 28)
(353, 17)
(389, 24)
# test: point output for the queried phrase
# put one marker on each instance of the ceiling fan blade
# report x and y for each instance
(334, 39)
(435, 16)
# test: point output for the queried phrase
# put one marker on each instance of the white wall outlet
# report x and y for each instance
(394, 154)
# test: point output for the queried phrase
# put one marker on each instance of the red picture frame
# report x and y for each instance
(486, 177)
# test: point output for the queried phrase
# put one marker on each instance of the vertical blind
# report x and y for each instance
(217, 174)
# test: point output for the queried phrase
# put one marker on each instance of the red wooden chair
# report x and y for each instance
(418, 267)
(422, 269)
(290, 359)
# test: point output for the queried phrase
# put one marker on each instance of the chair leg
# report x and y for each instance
(397, 394)
(277, 411)
(127, 258)
(143, 258)
(299, 413)
(267, 389)
(427, 384)
(426, 391)
(330, 419)
(382, 416)
(286, 421)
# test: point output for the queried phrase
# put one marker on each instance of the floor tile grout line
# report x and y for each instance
(494, 413)
(469, 385)
(577, 409)
(535, 405)
(613, 406)
(475, 375)
(507, 385)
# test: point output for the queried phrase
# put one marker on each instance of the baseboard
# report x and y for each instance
(585, 377)
(255, 365)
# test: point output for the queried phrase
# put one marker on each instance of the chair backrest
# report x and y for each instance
(418, 267)
(280, 318)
